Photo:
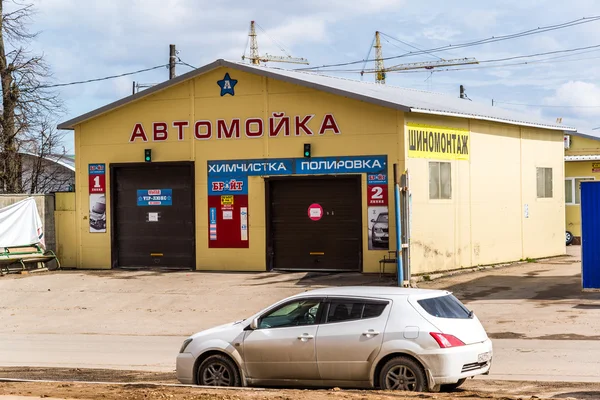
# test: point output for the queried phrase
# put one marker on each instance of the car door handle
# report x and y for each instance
(370, 333)
(305, 336)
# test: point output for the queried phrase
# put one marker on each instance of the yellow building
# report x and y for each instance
(228, 185)
(582, 163)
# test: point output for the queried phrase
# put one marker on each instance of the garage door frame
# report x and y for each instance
(112, 170)
(269, 239)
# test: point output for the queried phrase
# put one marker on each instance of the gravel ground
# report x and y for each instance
(98, 384)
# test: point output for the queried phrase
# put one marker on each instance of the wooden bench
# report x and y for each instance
(23, 255)
(390, 258)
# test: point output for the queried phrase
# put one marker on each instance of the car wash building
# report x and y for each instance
(233, 167)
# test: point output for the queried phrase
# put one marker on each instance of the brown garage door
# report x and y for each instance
(153, 235)
(332, 243)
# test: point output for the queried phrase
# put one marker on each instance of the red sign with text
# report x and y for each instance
(97, 178)
(377, 195)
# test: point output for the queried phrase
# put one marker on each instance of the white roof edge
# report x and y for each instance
(493, 119)
(56, 161)
(594, 157)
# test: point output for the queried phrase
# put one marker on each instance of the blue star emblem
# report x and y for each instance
(227, 84)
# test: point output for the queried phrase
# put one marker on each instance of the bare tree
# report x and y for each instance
(44, 160)
(28, 101)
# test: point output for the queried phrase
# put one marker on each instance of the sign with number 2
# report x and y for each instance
(377, 195)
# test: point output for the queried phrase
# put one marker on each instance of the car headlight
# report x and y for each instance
(185, 344)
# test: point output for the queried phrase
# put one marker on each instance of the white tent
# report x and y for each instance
(21, 225)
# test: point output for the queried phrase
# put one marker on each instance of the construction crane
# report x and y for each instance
(380, 70)
(256, 59)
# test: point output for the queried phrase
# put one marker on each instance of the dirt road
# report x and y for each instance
(138, 385)
(535, 312)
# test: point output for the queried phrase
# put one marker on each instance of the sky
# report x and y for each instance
(90, 39)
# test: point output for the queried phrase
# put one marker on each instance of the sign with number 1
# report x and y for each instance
(97, 178)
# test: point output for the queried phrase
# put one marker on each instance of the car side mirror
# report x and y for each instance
(372, 220)
(254, 324)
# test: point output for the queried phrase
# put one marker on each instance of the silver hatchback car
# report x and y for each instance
(355, 337)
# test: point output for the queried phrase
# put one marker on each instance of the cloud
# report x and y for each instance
(95, 38)
(581, 98)
(441, 33)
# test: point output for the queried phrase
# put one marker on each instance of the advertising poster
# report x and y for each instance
(155, 197)
(97, 192)
(228, 211)
(228, 193)
(377, 202)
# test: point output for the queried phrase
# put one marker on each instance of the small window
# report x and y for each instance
(295, 313)
(544, 183)
(352, 310)
(440, 180)
(569, 191)
(446, 306)
(573, 189)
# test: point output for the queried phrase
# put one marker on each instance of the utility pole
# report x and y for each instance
(172, 61)
(133, 88)
(462, 92)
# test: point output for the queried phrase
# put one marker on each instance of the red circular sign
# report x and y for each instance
(315, 212)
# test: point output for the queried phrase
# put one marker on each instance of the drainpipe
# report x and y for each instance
(399, 268)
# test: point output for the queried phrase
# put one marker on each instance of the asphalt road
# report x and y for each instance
(514, 359)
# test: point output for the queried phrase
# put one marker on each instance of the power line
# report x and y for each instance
(578, 49)
(102, 79)
(492, 39)
(410, 45)
(184, 63)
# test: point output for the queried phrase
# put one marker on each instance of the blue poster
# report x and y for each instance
(155, 197)
(96, 169)
(301, 166)
(377, 179)
(227, 184)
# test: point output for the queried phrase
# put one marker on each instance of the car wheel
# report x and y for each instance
(218, 370)
(452, 386)
(569, 238)
(402, 373)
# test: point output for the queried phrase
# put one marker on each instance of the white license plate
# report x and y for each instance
(484, 357)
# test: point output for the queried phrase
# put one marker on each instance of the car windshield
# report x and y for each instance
(382, 218)
(446, 306)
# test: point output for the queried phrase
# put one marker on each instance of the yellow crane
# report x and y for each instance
(380, 70)
(255, 58)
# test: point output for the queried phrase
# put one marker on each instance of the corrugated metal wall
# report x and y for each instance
(590, 234)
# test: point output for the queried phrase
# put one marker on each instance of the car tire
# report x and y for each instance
(402, 373)
(450, 387)
(218, 370)
(569, 237)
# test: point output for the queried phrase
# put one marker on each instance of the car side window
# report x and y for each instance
(373, 310)
(349, 310)
(296, 313)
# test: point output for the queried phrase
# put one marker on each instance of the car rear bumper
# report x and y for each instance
(184, 370)
(447, 366)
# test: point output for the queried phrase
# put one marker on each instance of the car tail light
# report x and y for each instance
(445, 340)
